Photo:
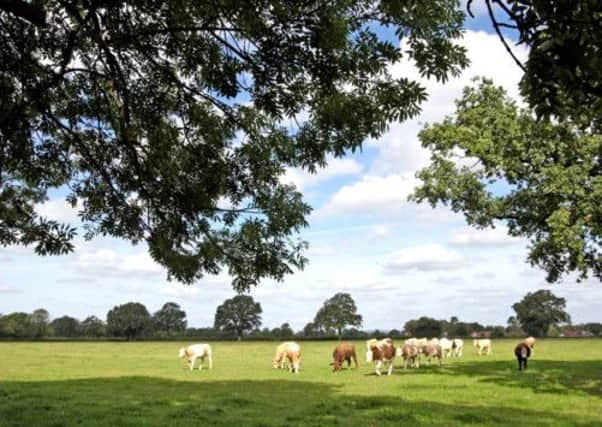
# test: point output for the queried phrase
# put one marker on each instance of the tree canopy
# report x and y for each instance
(172, 123)
(539, 310)
(338, 312)
(493, 161)
(170, 318)
(239, 315)
(130, 320)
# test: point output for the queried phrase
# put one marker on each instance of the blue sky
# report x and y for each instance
(397, 259)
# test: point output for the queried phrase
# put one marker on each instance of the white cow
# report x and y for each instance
(457, 347)
(197, 351)
(482, 345)
(446, 347)
(288, 352)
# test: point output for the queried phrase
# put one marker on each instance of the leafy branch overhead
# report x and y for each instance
(170, 123)
(493, 161)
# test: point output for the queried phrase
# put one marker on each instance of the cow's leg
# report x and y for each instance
(210, 361)
(390, 367)
(378, 364)
(192, 360)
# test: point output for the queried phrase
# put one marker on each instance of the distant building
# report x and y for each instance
(481, 334)
(575, 333)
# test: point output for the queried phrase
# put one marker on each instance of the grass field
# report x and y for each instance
(131, 384)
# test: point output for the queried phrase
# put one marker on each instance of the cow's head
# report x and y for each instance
(182, 352)
(369, 356)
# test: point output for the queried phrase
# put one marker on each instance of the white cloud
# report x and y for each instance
(371, 195)
(399, 149)
(59, 210)
(488, 237)
(107, 262)
(336, 167)
(380, 231)
(433, 257)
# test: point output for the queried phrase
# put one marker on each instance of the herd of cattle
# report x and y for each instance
(381, 352)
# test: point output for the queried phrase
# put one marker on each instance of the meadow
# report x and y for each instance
(144, 383)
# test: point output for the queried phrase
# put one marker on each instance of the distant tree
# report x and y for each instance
(594, 328)
(338, 312)
(39, 323)
(424, 327)
(16, 325)
(66, 327)
(310, 330)
(170, 319)
(286, 331)
(497, 331)
(537, 311)
(239, 315)
(93, 327)
(513, 329)
(130, 320)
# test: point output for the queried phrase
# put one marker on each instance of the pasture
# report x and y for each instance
(132, 384)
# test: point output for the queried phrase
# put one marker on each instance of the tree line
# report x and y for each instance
(539, 313)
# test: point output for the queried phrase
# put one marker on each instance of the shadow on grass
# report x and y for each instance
(547, 376)
(132, 401)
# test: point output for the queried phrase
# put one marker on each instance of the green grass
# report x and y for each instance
(131, 384)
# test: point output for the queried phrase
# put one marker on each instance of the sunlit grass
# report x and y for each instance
(127, 384)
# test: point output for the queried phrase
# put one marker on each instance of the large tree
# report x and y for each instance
(239, 315)
(65, 327)
(424, 327)
(170, 319)
(338, 312)
(563, 72)
(495, 162)
(93, 327)
(39, 323)
(130, 320)
(172, 123)
(537, 311)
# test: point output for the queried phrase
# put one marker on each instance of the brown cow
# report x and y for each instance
(522, 352)
(344, 352)
(383, 351)
(410, 356)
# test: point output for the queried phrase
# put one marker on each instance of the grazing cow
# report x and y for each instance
(457, 347)
(374, 342)
(409, 353)
(197, 351)
(288, 351)
(530, 341)
(522, 352)
(344, 352)
(382, 352)
(446, 347)
(482, 345)
(432, 351)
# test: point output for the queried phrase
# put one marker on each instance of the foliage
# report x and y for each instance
(130, 320)
(539, 310)
(563, 72)
(93, 327)
(424, 327)
(239, 315)
(65, 327)
(338, 312)
(170, 319)
(172, 124)
(39, 323)
(494, 162)
(16, 325)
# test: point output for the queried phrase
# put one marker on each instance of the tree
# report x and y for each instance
(424, 327)
(93, 327)
(171, 125)
(537, 311)
(338, 312)
(130, 320)
(65, 327)
(547, 178)
(16, 325)
(39, 323)
(239, 315)
(562, 76)
(170, 319)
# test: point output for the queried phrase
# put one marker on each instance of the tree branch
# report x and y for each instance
(33, 14)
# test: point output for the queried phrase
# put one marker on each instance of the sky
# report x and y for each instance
(398, 260)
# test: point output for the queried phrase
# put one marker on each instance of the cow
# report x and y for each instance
(446, 347)
(288, 351)
(432, 351)
(522, 352)
(530, 341)
(344, 352)
(409, 353)
(457, 347)
(482, 345)
(382, 352)
(197, 351)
